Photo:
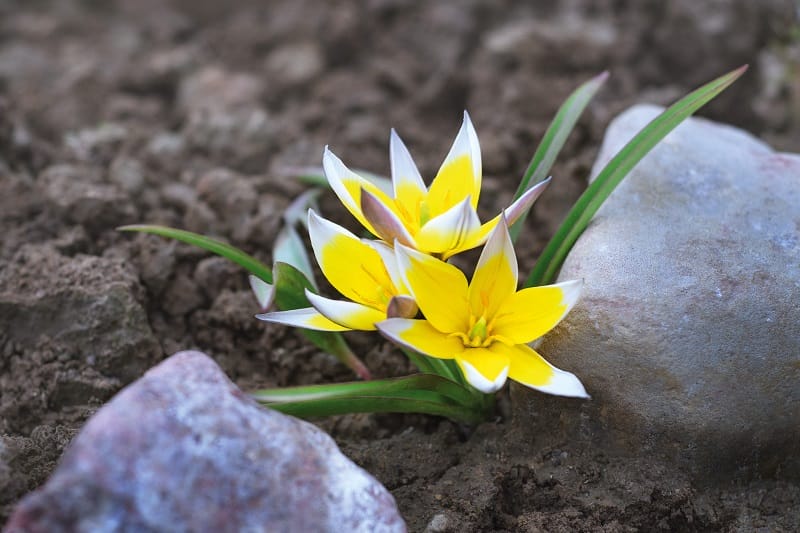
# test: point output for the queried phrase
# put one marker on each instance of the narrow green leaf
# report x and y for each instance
(246, 261)
(290, 285)
(378, 404)
(433, 365)
(383, 387)
(578, 218)
(289, 248)
(553, 141)
(419, 393)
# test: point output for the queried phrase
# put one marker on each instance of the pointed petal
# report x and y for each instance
(350, 315)
(297, 212)
(484, 369)
(420, 336)
(409, 189)
(439, 289)
(473, 239)
(513, 212)
(446, 231)
(347, 185)
(390, 262)
(495, 277)
(353, 268)
(308, 318)
(524, 202)
(290, 249)
(530, 313)
(402, 307)
(265, 292)
(387, 225)
(460, 174)
(530, 369)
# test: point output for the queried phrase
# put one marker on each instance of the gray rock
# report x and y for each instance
(687, 335)
(183, 449)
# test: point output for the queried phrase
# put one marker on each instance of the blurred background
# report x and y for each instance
(189, 113)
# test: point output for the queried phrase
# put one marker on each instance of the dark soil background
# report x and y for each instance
(188, 113)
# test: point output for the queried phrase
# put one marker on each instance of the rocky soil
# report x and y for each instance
(190, 113)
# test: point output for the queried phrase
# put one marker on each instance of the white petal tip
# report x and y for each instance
(479, 381)
(572, 291)
(564, 384)
(264, 292)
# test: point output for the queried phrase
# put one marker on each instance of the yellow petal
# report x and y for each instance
(530, 369)
(474, 239)
(530, 313)
(495, 277)
(409, 189)
(354, 268)
(512, 214)
(446, 231)
(308, 318)
(386, 223)
(420, 336)
(350, 315)
(390, 262)
(460, 174)
(440, 289)
(347, 185)
(485, 369)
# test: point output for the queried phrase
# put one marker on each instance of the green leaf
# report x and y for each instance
(429, 382)
(289, 248)
(578, 218)
(290, 285)
(380, 404)
(420, 393)
(246, 261)
(553, 141)
(433, 365)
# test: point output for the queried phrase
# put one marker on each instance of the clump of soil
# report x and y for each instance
(189, 113)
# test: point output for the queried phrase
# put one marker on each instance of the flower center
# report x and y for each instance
(424, 213)
(478, 335)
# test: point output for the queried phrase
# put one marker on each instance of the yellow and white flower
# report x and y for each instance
(440, 219)
(485, 325)
(363, 271)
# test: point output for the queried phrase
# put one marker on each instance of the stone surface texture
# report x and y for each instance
(183, 449)
(688, 331)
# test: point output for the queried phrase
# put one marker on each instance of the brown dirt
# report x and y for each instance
(185, 113)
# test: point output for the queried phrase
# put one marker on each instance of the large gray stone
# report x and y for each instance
(183, 449)
(687, 335)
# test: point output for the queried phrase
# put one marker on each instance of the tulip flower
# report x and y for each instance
(363, 271)
(440, 219)
(484, 325)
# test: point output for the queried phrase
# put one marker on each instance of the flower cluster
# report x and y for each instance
(401, 284)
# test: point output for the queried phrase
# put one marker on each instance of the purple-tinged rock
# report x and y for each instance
(183, 449)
